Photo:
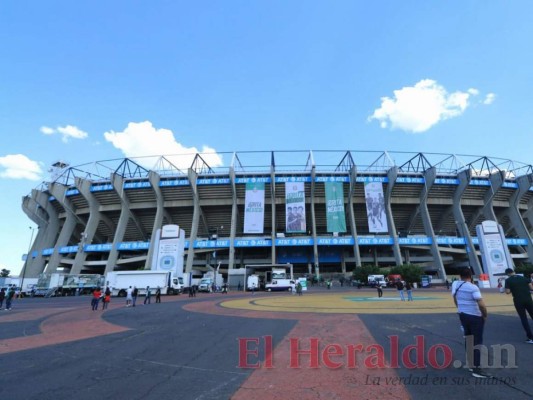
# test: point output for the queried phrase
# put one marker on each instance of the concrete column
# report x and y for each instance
(273, 211)
(118, 182)
(487, 210)
(392, 174)
(464, 180)
(32, 265)
(234, 219)
(429, 178)
(496, 183)
(343, 264)
(351, 216)
(154, 179)
(313, 218)
(84, 186)
(72, 220)
(195, 220)
(38, 209)
(524, 183)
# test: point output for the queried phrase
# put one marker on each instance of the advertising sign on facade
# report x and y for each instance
(254, 211)
(336, 221)
(170, 250)
(295, 207)
(494, 251)
(375, 207)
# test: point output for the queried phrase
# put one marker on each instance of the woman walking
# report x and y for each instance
(106, 299)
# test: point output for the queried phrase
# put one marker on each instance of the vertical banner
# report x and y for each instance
(494, 251)
(375, 207)
(170, 250)
(336, 220)
(294, 207)
(254, 208)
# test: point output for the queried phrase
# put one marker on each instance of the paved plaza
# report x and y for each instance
(342, 343)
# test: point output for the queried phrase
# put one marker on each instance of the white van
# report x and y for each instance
(375, 280)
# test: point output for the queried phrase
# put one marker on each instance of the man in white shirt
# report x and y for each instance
(472, 313)
(129, 297)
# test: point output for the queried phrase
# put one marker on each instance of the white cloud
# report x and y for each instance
(18, 166)
(67, 132)
(47, 130)
(489, 98)
(417, 108)
(143, 139)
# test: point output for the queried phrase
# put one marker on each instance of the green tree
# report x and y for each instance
(361, 274)
(4, 273)
(525, 268)
(409, 272)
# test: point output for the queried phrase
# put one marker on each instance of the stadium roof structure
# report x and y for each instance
(289, 161)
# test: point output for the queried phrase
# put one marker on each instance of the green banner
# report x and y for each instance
(335, 207)
(254, 211)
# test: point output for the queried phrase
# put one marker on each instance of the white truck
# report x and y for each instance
(252, 282)
(30, 285)
(192, 279)
(206, 283)
(375, 280)
(58, 284)
(278, 279)
(120, 281)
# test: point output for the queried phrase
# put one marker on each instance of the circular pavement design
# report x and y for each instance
(362, 303)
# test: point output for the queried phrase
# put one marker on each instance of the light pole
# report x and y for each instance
(26, 262)
(215, 268)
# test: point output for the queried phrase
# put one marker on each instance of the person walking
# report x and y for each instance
(129, 297)
(399, 287)
(107, 298)
(299, 288)
(380, 290)
(409, 289)
(147, 298)
(134, 295)
(447, 284)
(9, 297)
(501, 289)
(96, 298)
(158, 295)
(472, 314)
(520, 287)
(2, 297)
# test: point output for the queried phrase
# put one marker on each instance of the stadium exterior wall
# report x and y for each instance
(92, 223)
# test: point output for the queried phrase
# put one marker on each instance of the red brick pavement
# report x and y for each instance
(307, 383)
(59, 326)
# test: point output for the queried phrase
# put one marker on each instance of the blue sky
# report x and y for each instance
(83, 81)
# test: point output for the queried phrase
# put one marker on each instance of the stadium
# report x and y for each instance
(322, 211)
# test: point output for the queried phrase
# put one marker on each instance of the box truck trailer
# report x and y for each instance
(120, 281)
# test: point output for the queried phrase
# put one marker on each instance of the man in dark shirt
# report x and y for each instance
(520, 288)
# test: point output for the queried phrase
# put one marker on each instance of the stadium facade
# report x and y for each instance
(322, 211)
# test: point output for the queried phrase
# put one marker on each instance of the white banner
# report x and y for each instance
(494, 251)
(170, 250)
(254, 208)
(375, 207)
(495, 254)
(294, 207)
